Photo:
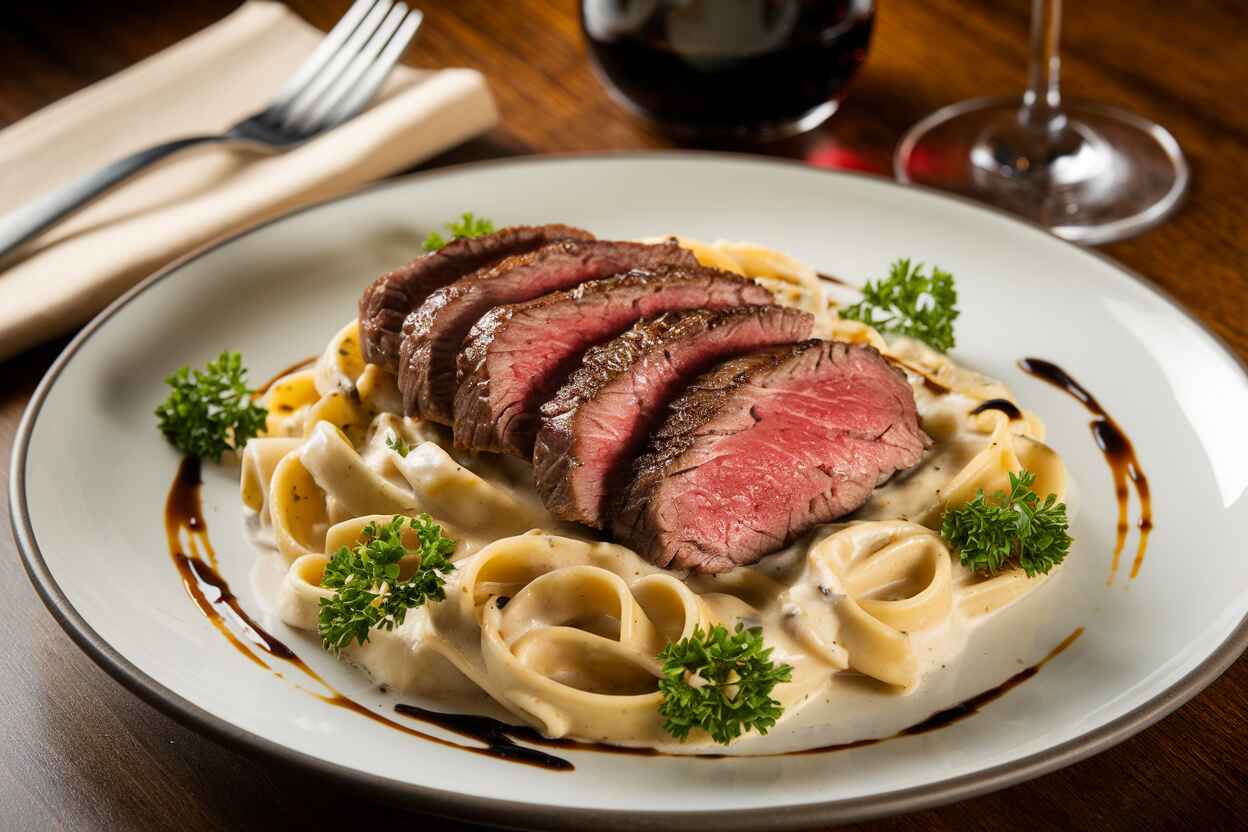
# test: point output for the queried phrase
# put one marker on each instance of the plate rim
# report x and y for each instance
(536, 815)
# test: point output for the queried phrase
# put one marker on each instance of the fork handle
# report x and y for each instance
(25, 222)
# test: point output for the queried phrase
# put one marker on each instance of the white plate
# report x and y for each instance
(90, 475)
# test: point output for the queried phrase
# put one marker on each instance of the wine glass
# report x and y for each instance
(728, 69)
(1090, 173)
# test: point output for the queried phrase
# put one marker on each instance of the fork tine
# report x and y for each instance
(360, 94)
(296, 114)
(325, 113)
(322, 54)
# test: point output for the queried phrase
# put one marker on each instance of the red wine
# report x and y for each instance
(729, 66)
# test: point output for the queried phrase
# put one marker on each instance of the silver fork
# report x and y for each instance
(330, 87)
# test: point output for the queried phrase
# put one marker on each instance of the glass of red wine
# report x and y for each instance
(753, 69)
(1088, 172)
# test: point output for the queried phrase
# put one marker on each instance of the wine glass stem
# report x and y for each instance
(1042, 103)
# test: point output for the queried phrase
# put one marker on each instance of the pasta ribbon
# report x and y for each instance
(298, 509)
(379, 390)
(260, 458)
(572, 648)
(340, 410)
(339, 470)
(342, 363)
(856, 332)
(448, 489)
(287, 401)
(979, 595)
(866, 586)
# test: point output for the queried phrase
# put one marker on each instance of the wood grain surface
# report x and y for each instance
(79, 752)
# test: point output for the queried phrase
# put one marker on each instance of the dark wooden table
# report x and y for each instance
(78, 751)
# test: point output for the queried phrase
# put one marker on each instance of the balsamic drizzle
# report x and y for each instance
(962, 710)
(971, 706)
(1004, 405)
(496, 735)
(1118, 452)
(497, 744)
(207, 589)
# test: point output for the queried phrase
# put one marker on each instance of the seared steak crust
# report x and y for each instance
(517, 356)
(764, 447)
(435, 331)
(388, 301)
(599, 421)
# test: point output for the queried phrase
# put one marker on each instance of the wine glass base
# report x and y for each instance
(1094, 175)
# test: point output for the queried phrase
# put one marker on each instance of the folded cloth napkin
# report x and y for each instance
(203, 84)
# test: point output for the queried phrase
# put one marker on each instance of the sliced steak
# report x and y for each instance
(435, 331)
(599, 421)
(518, 356)
(764, 447)
(391, 298)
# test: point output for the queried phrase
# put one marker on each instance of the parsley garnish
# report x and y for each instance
(1017, 526)
(468, 225)
(210, 411)
(397, 444)
(910, 303)
(720, 683)
(366, 577)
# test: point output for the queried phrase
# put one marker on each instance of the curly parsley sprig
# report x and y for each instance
(468, 225)
(210, 411)
(721, 683)
(910, 303)
(1018, 526)
(369, 592)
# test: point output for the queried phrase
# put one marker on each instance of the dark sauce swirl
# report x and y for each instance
(971, 706)
(495, 734)
(959, 712)
(1118, 452)
(1004, 405)
(184, 518)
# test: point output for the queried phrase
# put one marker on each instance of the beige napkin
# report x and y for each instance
(203, 84)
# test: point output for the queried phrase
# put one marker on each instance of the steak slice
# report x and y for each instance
(391, 298)
(600, 420)
(764, 447)
(435, 331)
(518, 356)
